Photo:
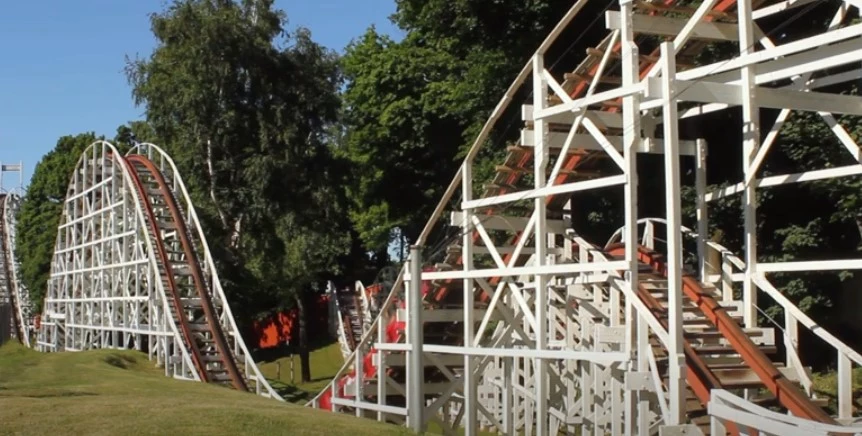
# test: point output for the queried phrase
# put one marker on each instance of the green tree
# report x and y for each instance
(411, 108)
(244, 107)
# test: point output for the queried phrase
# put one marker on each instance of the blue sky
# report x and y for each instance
(61, 62)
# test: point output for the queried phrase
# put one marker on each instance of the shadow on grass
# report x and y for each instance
(120, 360)
(291, 393)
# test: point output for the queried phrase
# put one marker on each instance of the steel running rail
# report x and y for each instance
(144, 171)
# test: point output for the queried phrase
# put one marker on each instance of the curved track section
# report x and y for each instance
(528, 328)
(131, 269)
(12, 291)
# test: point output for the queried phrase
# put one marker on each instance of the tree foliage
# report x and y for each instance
(242, 106)
(411, 108)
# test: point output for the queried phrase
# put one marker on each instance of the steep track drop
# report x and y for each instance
(182, 277)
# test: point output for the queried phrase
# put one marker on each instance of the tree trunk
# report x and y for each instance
(304, 359)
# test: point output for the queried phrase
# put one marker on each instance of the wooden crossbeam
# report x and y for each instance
(666, 26)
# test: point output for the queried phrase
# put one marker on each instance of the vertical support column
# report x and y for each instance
(359, 381)
(382, 323)
(540, 98)
(508, 409)
(568, 245)
(415, 396)
(470, 379)
(750, 144)
(631, 142)
(791, 338)
(845, 388)
(726, 278)
(702, 213)
(674, 243)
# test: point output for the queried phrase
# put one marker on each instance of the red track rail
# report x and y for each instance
(139, 162)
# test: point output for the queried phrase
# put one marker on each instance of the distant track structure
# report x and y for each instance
(133, 270)
(15, 308)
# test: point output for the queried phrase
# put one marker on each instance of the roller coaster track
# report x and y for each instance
(483, 362)
(559, 337)
(132, 269)
(733, 341)
(12, 292)
(203, 335)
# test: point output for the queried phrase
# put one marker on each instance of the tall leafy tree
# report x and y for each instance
(411, 108)
(244, 106)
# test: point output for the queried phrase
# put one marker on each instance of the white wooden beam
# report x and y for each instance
(546, 191)
(665, 26)
(446, 315)
(778, 7)
(712, 92)
(585, 141)
(813, 265)
(611, 120)
(819, 82)
(843, 41)
(510, 223)
(515, 271)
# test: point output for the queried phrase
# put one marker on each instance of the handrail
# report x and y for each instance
(630, 294)
(788, 394)
(342, 331)
(211, 269)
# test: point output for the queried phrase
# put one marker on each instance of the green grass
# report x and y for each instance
(825, 384)
(325, 362)
(121, 392)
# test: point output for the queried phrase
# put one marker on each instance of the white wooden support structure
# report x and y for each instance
(551, 332)
(110, 282)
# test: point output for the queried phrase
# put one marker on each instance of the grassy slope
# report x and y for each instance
(121, 392)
